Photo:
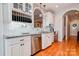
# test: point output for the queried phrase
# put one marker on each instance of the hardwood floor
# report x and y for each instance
(68, 47)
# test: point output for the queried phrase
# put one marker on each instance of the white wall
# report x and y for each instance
(1, 31)
(59, 25)
(73, 32)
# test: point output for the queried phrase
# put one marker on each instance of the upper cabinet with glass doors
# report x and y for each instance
(17, 12)
(28, 8)
(23, 7)
(18, 6)
(22, 12)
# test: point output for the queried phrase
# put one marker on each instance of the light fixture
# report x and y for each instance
(56, 6)
(44, 7)
(40, 15)
(76, 12)
(40, 4)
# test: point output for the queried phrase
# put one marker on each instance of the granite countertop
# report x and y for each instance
(23, 35)
(8, 36)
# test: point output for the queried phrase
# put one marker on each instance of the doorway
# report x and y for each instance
(71, 24)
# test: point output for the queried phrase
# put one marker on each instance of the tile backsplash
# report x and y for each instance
(17, 28)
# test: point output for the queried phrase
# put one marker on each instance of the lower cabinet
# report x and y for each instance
(44, 41)
(18, 46)
(13, 50)
(27, 46)
(47, 39)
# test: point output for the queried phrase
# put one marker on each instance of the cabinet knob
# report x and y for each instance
(20, 44)
(22, 40)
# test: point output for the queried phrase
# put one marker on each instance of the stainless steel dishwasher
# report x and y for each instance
(36, 43)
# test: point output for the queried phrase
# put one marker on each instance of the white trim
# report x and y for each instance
(66, 33)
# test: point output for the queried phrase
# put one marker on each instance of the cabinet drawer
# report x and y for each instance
(14, 40)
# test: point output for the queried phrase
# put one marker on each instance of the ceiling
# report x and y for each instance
(55, 7)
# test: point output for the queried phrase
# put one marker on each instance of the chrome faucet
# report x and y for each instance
(51, 27)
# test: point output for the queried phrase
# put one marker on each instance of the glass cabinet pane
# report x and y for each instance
(26, 7)
(21, 6)
(15, 5)
(29, 8)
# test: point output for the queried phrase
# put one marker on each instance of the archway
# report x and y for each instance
(38, 18)
(71, 23)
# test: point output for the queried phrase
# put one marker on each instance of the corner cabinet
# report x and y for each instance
(20, 46)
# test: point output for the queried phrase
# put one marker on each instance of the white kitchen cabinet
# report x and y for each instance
(15, 24)
(7, 13)
(13, 50)
(27, 46)
(18, 6)
(44, 20)
(8, 9)
(48, 19)
(22, 49)
(23, 7)
(20, 46)
(28, 8)
(47, 39)
(44, 41)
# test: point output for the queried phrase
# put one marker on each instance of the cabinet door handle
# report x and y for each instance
(20, 44)
(22, 40)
